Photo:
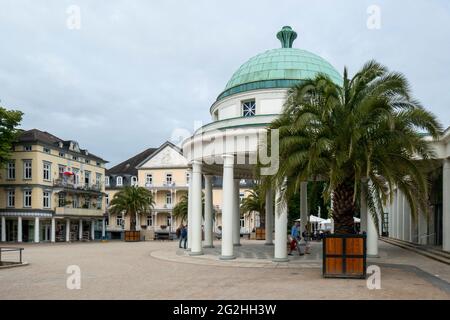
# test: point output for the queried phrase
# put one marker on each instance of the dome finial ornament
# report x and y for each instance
(287, 37)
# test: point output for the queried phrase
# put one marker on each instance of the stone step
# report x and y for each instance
(430, 249)
(431, 253)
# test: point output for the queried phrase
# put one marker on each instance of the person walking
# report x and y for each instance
(295, 238)
(183, 236)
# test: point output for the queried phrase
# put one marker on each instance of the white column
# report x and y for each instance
(68, 230)
(269, 217)
(399, 214)
(406, 220)
(92, 229)
(446, 206)
(80, 230)
(196, 228)
(208, 213)
(36, 230)
(3, 229)
(372, 237)
(189, 222)
(236, 214)
(19, 229)
(227, 208)
(391, 215)
(280, 252)
(103, 228)
(303, 206)
(53, 231)
(363, 209)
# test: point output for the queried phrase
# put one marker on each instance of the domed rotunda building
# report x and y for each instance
(229, 145)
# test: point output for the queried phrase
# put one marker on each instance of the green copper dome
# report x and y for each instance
(279, 68)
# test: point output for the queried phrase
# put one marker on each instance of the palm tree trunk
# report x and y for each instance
(344, 208)
(133, 222)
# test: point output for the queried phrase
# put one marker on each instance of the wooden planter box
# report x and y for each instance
(344, 256)
(260, 234)
(132, 236)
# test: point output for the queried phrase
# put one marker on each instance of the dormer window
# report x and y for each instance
(134, 181)
(119, 181)
(249, 108)
(107, 181)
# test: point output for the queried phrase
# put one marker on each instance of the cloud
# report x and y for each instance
(138, 70)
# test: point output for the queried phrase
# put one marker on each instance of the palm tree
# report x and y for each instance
(255, 201)
(132, 201)
(363, 135)
(180, 210)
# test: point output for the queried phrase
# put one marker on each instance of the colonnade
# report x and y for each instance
(231, 215)
(422, 230)
(37, 230)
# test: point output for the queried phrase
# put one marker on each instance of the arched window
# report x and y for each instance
(119, 181)
(134, 181)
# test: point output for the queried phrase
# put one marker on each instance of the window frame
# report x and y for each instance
(46, 171)
(121, 181)
(27, 169)
(169, 197)
(147, 176)
(150, 221)
(120, 218)
(167, 179)
(11, 170)
(46, 197)
(245, 105)
(87, 177)
(61, 200)
(11, 198)
(27, 194)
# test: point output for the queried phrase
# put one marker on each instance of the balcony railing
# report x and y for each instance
(166, 185)
(63, 183)
(78, 212)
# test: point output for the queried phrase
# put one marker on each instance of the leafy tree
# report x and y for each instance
(132, 201)
(364, 135)
(9, 120)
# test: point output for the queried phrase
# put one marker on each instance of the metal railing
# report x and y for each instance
(10, 249)
(63, 183)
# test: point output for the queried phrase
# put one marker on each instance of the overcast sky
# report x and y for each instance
(137, 70)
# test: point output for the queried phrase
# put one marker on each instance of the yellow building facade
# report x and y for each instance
(51, 190)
